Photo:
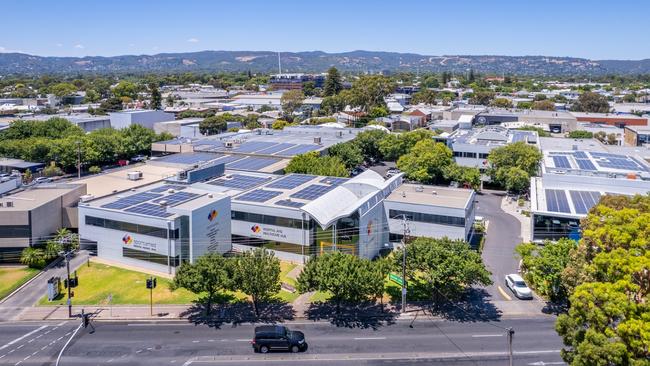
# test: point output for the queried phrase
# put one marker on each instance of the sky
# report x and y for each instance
(595, 29)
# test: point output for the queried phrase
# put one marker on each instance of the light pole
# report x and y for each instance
(511, 332)
(404, 233)
(67, 264)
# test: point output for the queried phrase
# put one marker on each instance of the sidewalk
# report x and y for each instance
(512, 208)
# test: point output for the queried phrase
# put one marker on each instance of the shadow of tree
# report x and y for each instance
(364, 315)
(555, 308)
(472, 306)
(228, 310)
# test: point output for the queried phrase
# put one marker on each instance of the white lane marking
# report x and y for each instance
(368, 338)
(243, 340)
(19, 347)
(23, 337)
(486, 335)
(109, 361)
(196, 341)
(62, 323)
(210, 340)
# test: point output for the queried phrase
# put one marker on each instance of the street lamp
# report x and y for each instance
(67, 256)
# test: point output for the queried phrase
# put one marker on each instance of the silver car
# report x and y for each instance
(518, 287)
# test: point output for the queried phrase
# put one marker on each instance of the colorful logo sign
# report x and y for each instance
(213, 215)
(256, 229)
(127, 239)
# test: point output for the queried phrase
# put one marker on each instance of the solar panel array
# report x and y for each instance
(176, 198)
(313, 191)
(149, 209)
(253, 146)
(585, 164)
(290, 203)
(556, 201)
(299, 149)
(275, 149)
(561, 162)
(619, 163)
(251, 163)
(584, 200)
(189, 158)
(580, 155)
(258, 195)
(131, 200)
(167, 187)
(333, 181)
(291, 181)
(239, 181)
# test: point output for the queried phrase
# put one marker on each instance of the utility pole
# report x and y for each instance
(404, 233)
(511, 332)
(78, 159)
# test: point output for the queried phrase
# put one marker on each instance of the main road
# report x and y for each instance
(428, 341)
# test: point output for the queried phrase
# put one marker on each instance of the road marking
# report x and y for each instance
(62, 323)
(542, 363)
(504, 294)
(23, 337)
(486, 335)
(196, 341)
(368, 338)
(243, 340)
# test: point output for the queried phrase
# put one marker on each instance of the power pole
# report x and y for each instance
(404, 233)
(67, 264)
(511, 332)
(78, 159)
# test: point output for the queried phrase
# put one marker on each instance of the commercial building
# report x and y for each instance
(574, 180)
(85, 121)
(295, 81)
(31, 216)
(142, 117)
(157, 226)
(186, 127)
(553, 121)
(636, 135)
(618, 120)
(7, 165)
(471, 147)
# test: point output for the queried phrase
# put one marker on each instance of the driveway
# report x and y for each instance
(503, 235)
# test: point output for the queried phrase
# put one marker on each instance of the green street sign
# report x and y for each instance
(395, 278)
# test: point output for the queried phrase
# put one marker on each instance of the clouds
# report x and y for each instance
(79, 46)
(193, 40)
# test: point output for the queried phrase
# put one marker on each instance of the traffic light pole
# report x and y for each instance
(511, 332)
(151, 298)
(67, 264)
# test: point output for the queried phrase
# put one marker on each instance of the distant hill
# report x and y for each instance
(316, 61)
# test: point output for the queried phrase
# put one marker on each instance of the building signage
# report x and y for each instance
(212, 231)
(134, 243)
(268, 232)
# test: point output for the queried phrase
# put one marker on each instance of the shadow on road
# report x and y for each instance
(474, 306)
(365, 315)
(237, 313)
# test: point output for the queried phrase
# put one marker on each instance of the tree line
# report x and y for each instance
(603, 279)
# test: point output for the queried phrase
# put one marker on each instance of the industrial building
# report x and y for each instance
(636, 135)
(618, 120)
(142, 117)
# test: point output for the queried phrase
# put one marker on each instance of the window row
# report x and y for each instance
(271, 220)
(427, 218)
(149, 257)
(130, 227)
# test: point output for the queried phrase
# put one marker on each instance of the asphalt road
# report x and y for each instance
(179, 343)
(29, 295)
(503, 235)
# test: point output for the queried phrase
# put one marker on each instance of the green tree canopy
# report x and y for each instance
(213, 125)
(209, 275)
(426, 161)
(519, 154)
(333, 84)
(292, 101)
(580, 134)
(257, 274)
(125, 89)
(349, 153)
(313, 163)
(543, 105)
(591, 102)
(394, 145)
(426, 96)
(543, 266)
(63, 89)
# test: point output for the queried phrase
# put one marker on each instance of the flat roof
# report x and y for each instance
(101, 185)
(611, 165)
(431, 195)
(639, 129)
(492, 135)
(36, 196)
(606, 115)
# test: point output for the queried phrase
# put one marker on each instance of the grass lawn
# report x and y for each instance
(320, 296)
(13, 277)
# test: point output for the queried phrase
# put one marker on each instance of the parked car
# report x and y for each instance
(518, 287)
(138, 158)
(278, 338)
(42, 180)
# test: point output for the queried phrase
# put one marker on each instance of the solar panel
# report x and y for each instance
(580, 155)
(131, 200)
(291, 181)
(313, 191)
(561, 162)
(275, 149)
(177, 198)
(229, 159)
(251, 163)
(239, 181)
(290, 203)
(333, 181)
(189, 158)
(258, 195)
(252, 146)
(556, 201)
(167, 187)
(583, 201)
(298, 149)
(643, 166)
(585, 164)
(149, 209)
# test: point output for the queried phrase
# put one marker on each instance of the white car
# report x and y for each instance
(518, 287)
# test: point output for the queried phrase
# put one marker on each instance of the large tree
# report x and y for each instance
(348, 152)
(518, 155)
(257, 274)
(209, 275)
(394, 145)
(591, 102)
(333, 84)
(426, 96)
(292, 101)
(426, 161)
(156, 97)
(213, 125)
(369, 91)
(63, 89)
(125, 89)
(445, 267)
(312, 163)
(543, 266)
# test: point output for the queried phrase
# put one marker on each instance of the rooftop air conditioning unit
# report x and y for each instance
(317, 140)
(419, 189)
(228, 144)
(170, 190)
(339, 133)
(162, 202)
(434, 193)
(86, 197)
(135, 175)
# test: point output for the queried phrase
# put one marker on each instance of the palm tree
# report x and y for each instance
(52, 249)
(32, 257)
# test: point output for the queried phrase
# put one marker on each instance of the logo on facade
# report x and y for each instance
(369, 228)
(127, 239)
(213, 215)
(256, 229)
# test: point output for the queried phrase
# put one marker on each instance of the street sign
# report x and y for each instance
(395, 278)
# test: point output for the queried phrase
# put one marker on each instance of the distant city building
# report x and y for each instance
(295, 81)
(142, 117)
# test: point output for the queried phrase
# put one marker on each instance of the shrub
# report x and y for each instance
(94, 169)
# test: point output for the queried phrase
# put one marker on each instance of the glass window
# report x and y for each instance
(427, 218)
(148, 257)
(158, 232)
